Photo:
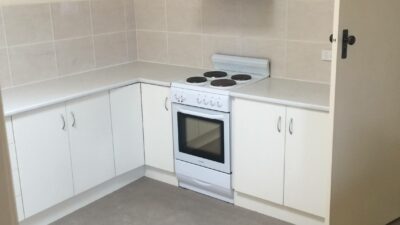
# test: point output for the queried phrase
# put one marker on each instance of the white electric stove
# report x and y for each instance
(201, 123)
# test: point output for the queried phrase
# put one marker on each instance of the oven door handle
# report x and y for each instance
(208, 116)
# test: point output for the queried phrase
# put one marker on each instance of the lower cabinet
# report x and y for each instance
(157, 124)
(281, 154)
(14, 169)
(307, 161)
(258, 141)
(44, 158)
(126, 114)
(91, 141)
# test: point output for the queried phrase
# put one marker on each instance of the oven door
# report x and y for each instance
(202, 137)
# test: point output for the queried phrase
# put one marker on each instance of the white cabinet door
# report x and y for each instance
(157, 124)
(258, 141)
(126, 114)
(307, 161)
(43, 157)
(91, 141)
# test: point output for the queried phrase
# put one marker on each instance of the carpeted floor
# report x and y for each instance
(149, 202)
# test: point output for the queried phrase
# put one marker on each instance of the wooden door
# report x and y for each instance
(157, 124)
(258, 145)
(91, 141)
(126, 114)
(365, 106)
(44, 158)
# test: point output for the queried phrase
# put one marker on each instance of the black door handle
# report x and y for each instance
(346, 41)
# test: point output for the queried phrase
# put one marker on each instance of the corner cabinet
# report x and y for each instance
(126, 116)
(44, 158)
(157, 124)
(283, 157)
(91, 141)
(62, 150)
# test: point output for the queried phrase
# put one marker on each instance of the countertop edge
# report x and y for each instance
(83, 94)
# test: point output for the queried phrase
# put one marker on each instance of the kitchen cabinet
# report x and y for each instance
(307, 161)
(157, 124)
(44, 159)
(14, 169)
(126, 114)
(91, 141)
(281, 154)
(258, 138)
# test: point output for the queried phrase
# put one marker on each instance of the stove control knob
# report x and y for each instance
(205, 102)
(219, 104)
(212, 103)
(198, 100)
(182, 99)
(176, 97)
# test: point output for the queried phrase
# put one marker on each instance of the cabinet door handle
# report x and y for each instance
(279, 124)
(73, 119)
(63, 122)
(291, 126)
(166, 104)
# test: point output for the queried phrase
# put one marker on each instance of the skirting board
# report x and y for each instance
(54, 213)
(161, 175)
(276, 211)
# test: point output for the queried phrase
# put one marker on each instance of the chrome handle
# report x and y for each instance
(291, 126)
(73, 119)
(63, 122)
(279, 124)
(165, 104)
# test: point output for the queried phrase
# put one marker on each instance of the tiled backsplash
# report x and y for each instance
(44, 41)
(292, 33)
(48, 40)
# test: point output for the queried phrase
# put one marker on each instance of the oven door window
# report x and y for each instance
(201, 137)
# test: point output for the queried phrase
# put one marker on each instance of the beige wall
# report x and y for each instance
(292, 33)
(49, 40)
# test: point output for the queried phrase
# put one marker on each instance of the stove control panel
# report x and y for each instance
(201, 99)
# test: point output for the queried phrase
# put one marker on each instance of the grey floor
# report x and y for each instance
(149, 202)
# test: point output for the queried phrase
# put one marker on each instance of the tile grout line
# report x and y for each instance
(125, 6)
(92, 32)
(58, 72)
(166, 30)
(3, 24)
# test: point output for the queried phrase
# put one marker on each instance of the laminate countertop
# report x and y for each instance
(299, 94)
(37, 95)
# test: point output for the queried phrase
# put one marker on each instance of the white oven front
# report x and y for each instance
(202, 137)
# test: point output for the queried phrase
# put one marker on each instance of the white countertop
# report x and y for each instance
(300, 94)
(37, 95)
(34, 96)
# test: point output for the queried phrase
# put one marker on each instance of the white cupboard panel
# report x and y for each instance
(157, 124)
(258, 140)
(44, 158)
(9, 130)
(91, 144)
(307, 161)
(20, 208)
(126, 114)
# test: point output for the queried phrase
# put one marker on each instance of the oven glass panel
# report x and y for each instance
(201, 137)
